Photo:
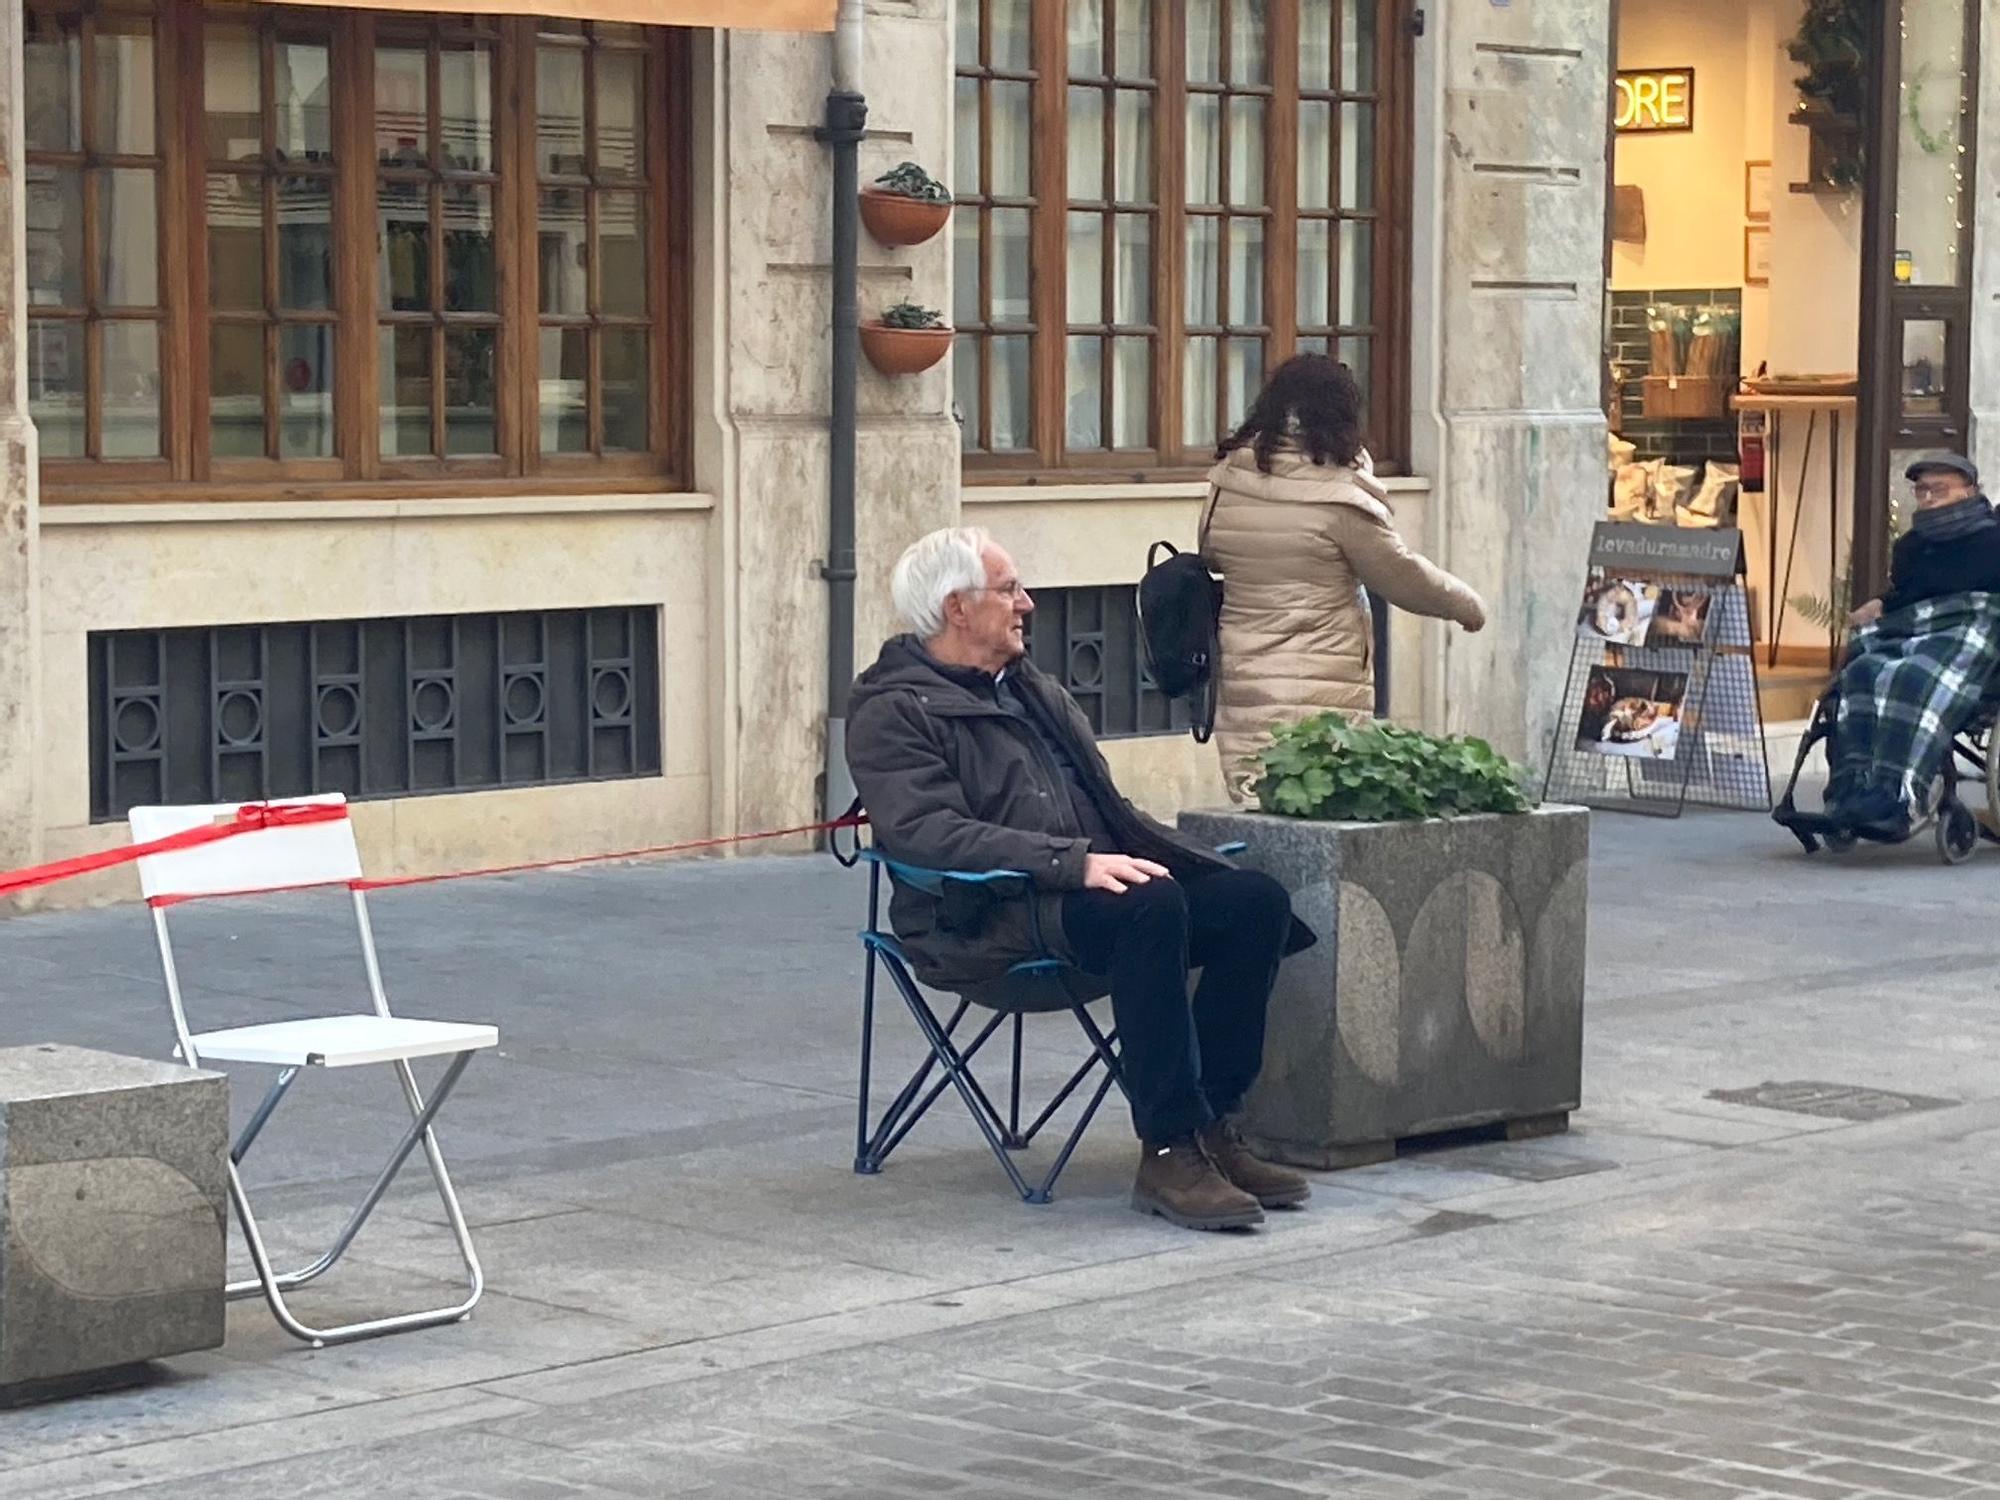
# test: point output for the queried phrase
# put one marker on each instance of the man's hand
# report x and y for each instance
(1868, 614)
(1114, 872)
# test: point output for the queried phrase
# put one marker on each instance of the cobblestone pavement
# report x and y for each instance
(1684, 1298)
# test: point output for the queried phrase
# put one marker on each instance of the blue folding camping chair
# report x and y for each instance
(1041, 985)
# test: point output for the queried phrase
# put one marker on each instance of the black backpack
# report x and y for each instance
(1180, 604)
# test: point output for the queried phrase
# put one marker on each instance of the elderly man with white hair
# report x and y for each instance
(969, 758)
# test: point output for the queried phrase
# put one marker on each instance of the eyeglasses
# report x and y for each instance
(1936, 489)
(1012, 591)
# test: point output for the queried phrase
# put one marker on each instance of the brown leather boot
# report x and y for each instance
(1273, 1186)
(1178, 1182)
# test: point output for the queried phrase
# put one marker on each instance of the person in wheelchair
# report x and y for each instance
(1921, 656)
(968, 758)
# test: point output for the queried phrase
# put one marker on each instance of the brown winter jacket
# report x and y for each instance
(1294, 547)
(952, 781)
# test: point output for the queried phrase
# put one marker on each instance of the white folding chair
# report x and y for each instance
(282, 858)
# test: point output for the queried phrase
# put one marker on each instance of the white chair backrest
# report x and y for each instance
(268, 859)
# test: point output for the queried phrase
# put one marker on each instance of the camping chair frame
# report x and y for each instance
(323, 1042)
(1043, 983)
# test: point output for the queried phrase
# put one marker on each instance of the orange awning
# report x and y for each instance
(755, 15)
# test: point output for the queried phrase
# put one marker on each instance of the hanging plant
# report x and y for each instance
(1831, 44)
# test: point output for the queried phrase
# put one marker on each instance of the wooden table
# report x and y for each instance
(1833, 406)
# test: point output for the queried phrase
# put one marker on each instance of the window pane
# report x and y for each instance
(1007, 37)
(305, 391)
(1315, 154)
(1357, 46)
(304, 118)
(1357, 156)
(965, 138)
(1246, 152)
(471, 273)
(1204, 41)
(1198, 393)
(564, 257)
(966, 48)
(1249, 42)
(1319, 345)
(235, 241)
(234, 93)
(1132, 393)
(1010, 140)
(965, 392)
(1244, 375)
(620, 140)
(1133, 287)
(1135, 38)
(1931, 185)
(53, 63)
(1086, 145)
(965, 308)
(1084, 393)
(1926, 367)
(1008, 273)
(1086, 268)
(236, 390)
(1010, 393)
(128, 238)
(1358, 354)
(305, 243)
(559, 112)
(403, 209)
(1357, 273)
(1204, 272)
(1246, 272)
(1135, 146)
(402, 106)
(55, 386)
(621, 254)
(54, 240)
(470, 424)
(1204, 148)
(465, 106)
(1086, 38)
(1315, 44)
(1315, 236)
(404, 360)
(124, 103)
(565, 378)
(131, 409)
(625, 390)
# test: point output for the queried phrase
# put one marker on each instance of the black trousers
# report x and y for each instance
(1185, 1063)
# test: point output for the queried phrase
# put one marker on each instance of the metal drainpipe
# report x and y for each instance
(846, 124)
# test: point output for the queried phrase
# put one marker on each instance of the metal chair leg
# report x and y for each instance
(274, 1284)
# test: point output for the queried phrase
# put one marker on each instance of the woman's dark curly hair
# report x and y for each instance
(1310, 403)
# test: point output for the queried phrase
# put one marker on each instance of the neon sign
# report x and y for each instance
(1650, 99)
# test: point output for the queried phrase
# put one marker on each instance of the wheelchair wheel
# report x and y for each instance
(1957, 832)
(1990, 814)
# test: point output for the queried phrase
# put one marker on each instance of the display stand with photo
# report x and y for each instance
(1660, 707)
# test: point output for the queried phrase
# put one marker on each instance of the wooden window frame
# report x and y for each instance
(186, 469)
(1388, 421)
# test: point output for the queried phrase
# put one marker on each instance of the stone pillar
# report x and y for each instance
(775, 287)
(20, 592)
(1521, 306)
(1985, 388)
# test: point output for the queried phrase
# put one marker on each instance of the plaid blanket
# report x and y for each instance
(1912, 679)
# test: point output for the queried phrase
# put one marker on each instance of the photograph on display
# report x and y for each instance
(1632, 712)
(1680, 618)
(1618, 610)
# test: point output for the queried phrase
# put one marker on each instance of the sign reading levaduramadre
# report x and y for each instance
(1706, 553)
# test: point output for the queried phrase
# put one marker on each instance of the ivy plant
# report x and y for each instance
(908, 180)
(912, 315)
(1365, 770)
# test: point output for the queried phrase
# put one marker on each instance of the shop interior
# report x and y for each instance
(1733, 316)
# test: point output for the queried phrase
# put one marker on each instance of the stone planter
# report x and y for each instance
(1446, 990)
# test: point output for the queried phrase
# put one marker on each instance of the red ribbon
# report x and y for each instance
(252, 817)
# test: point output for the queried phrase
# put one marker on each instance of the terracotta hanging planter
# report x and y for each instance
(904, 351)
(898, 220)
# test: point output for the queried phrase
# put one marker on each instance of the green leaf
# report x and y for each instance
(1331, 766)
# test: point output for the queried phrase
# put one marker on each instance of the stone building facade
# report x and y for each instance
(532, 566)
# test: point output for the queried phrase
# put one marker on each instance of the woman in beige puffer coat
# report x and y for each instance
(1297, 528)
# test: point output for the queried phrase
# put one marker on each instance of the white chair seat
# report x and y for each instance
(342, 1041)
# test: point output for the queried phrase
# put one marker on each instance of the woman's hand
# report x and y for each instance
(1868, 614)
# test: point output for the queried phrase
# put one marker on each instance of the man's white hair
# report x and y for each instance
(931, 570)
